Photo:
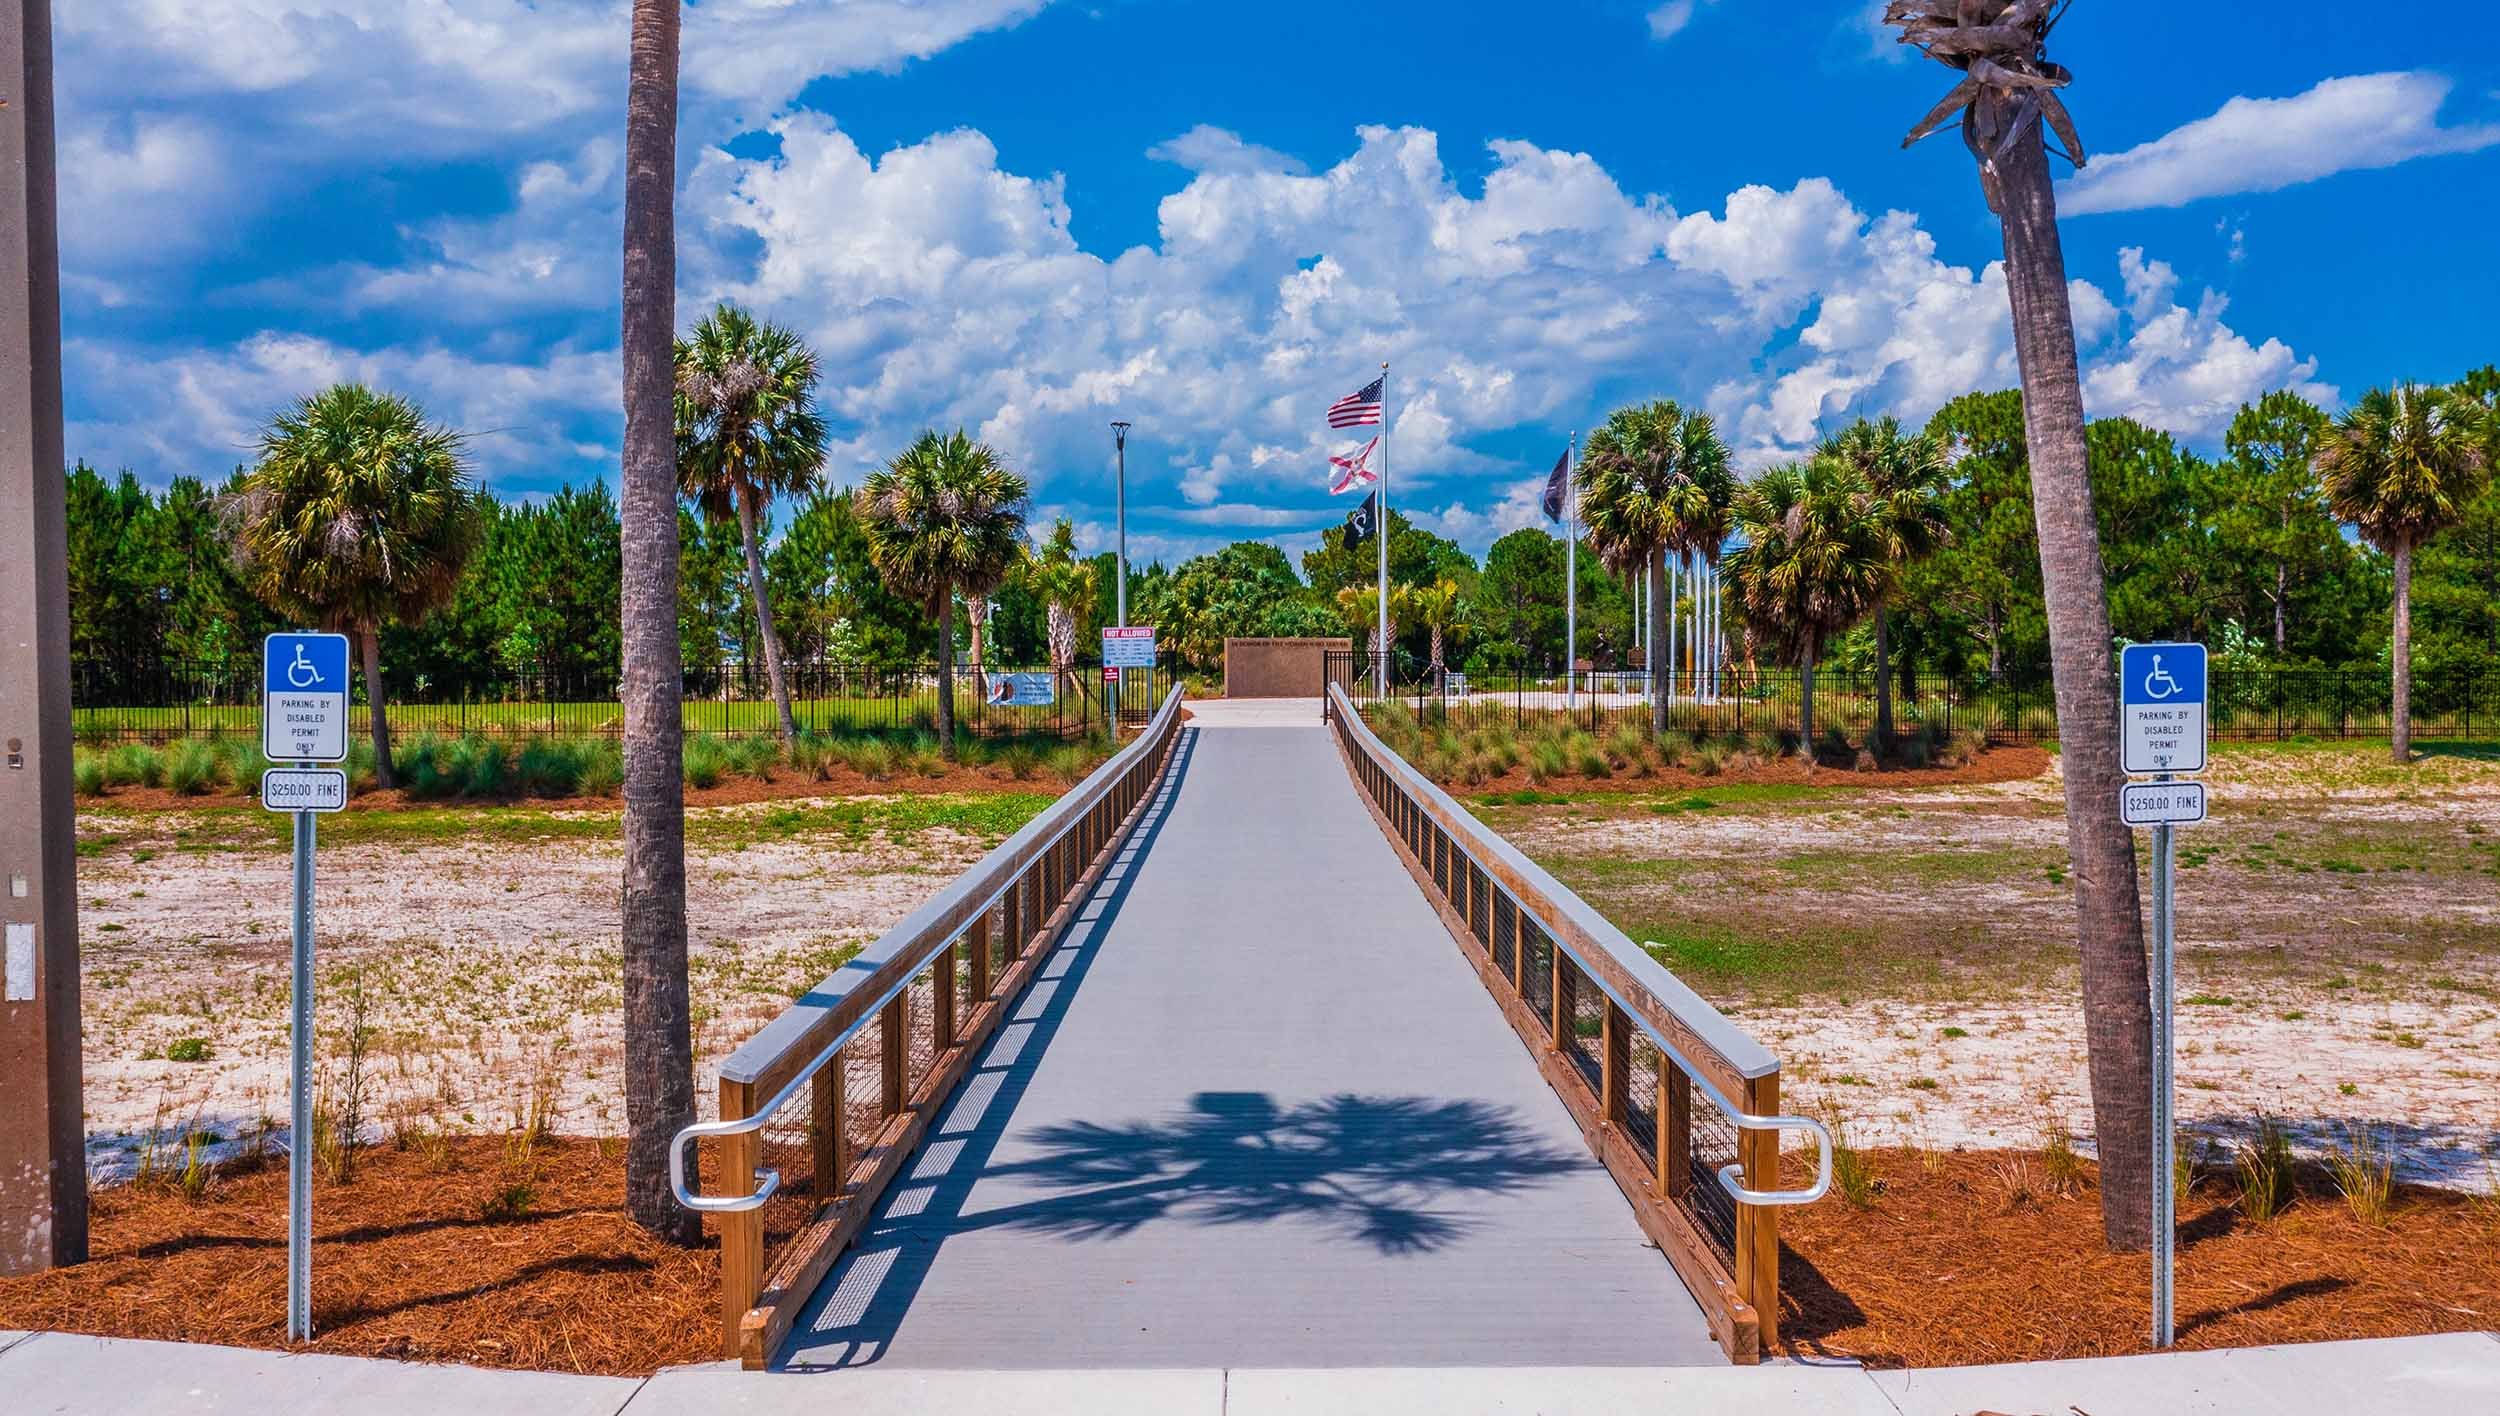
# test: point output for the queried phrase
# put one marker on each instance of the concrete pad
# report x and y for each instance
(859, 1391)
(63, 1373)
(10, 1338)
(1255, 712)
(1554, 1391)
(2443, 1372)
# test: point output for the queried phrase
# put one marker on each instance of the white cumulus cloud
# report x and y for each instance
(2265, 144)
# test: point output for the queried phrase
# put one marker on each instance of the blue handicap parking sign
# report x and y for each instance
(2161, 707)
(303, 702)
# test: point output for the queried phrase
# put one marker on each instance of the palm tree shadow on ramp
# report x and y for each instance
(1377, 1171)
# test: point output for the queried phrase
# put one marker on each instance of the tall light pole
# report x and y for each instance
(1119, 440)
(43, 1140)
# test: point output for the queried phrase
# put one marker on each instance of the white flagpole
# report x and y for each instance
(1674, 623)
(1571, 576)
(1380, 639)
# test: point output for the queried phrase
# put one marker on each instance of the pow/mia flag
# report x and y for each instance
(1362, 522)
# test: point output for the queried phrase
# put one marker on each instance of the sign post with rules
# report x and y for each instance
(2162, 731)
(303, 719)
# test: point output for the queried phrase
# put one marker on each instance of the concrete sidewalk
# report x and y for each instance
(61, 1374)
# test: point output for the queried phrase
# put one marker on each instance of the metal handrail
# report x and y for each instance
(1463, 840)
(1074, 806)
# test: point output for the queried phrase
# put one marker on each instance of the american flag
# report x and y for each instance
(1353, 472)
(1359, 409)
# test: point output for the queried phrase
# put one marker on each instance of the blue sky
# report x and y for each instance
(1028, 217)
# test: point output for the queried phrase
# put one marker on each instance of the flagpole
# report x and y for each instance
(1380, 639)
(1571, 576)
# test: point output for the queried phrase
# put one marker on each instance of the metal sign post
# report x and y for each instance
(303, 716)
(2163, 725)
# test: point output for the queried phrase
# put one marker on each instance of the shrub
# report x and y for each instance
(2365, 1173)
(423, 773)
(809, 756)
(873, 758)
(1709, 759)
(134, 765)
(193, 768)
(2265, 1166)
(603, 769)
(1020, 761)
(706, 761)
(484, 765)
(245, 762)
(187, 1049)
(1851, 1175)
(86, 773)
(1070, 762)
(549, 769)
(755, 756)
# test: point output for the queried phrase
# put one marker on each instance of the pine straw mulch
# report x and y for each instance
(1996, 764)
(405, 1265)
(1949, 1267)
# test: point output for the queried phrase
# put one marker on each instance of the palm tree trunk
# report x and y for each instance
(764, 615)
(2117, 996)
(2402, 655)
(659, 1053)
(1652, 660)
(1805, 704)
(946, 675)
(369, 639)
(1437, 674)
(1883, 682)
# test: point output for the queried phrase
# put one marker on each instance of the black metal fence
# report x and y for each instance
(164, 700)
(2245, 704)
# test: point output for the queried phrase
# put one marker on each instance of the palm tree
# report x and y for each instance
(1359, 607)
(1907, 473)
(1816, 559)
(1441, 611)
(1066, 586)
(1653, 480)
(659, 1048)
(943, 519)
(747, 430)
(358, 514)
(2007, 92)
(2401, 465)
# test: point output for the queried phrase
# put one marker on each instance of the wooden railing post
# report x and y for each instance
(831, 1155)
(1675, 1129)
(890, 1035)
(942, 1000)
(741, 1231)
(1758, 1226)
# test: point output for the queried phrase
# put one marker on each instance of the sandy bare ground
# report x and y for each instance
(2339, 941)
(490, 970)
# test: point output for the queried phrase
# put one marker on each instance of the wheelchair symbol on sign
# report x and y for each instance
(2159, 684)
(301, 673)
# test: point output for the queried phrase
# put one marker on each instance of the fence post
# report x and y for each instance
(1560, 1005)
(978, 937)
(741, 1232)
(890, 1038)
(942, 1011)
(829, 1144)
(1758, 1226)
(1675, 1129)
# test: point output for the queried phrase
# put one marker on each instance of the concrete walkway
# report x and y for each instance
(1257, 1111)
(59, 1374)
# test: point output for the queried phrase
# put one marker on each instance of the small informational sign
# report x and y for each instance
(2161, 803)
(303, 707)
(2161, 707)
(1110, 673)
(1022, 690)
(303, 789)
(1129, 648)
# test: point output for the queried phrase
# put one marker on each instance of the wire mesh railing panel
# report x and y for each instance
(788, 1145)
(1587, 1020)
(1536, 971)
(1479, 906)
(1640, 1096)
(1711, 1143)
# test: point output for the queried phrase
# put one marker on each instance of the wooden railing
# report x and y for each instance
(822, 1107)
(1626, 1045)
